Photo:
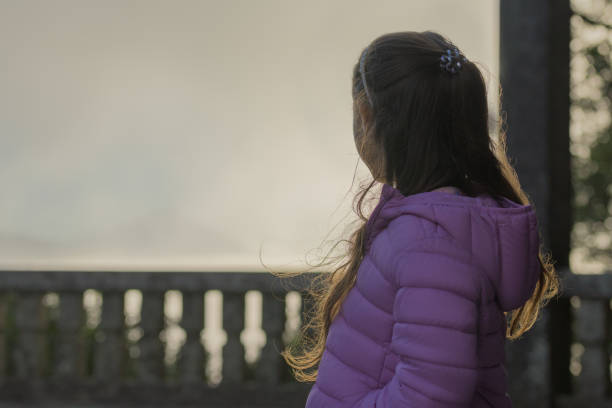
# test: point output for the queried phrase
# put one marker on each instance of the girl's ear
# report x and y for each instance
(361, 117)
(365, 112)
(359, 128)
(370, 151)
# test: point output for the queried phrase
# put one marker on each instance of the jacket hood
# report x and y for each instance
(501, 235)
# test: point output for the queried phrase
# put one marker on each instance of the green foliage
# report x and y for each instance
(591, 129)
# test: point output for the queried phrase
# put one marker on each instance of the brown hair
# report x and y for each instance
(425, 128)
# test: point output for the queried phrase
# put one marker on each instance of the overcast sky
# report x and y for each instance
(190, 134)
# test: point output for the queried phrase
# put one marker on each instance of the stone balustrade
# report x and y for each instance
(106, 370)
(27, 373)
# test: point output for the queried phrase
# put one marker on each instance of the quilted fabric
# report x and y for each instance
(424, 324)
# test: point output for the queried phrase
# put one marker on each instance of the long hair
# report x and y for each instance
(418, 128)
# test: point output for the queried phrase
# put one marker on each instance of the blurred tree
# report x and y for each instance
(591, 128)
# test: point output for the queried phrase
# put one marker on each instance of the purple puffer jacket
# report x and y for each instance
(424, 324)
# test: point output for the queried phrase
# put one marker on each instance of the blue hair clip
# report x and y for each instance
(365, 85)
(451, 61)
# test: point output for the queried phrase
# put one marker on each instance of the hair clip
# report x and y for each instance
(451, 61)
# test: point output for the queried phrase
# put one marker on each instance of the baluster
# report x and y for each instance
(69, 358)
(150, 362)
(233, 350)
(28, 354)
(110, 339)
(590, 321)
(273, 323)
(191, 357)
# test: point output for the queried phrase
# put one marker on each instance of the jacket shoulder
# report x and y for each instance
(411, 238)
(402, 232)
(406, 231)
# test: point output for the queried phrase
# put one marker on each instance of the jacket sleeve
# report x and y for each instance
(434, 334)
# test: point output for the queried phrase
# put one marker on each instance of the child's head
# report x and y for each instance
(419, 123)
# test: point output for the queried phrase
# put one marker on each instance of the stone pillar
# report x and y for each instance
(534, 74)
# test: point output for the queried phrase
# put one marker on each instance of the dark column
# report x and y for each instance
(534, 74)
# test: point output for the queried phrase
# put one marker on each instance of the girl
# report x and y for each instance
(449, 262)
